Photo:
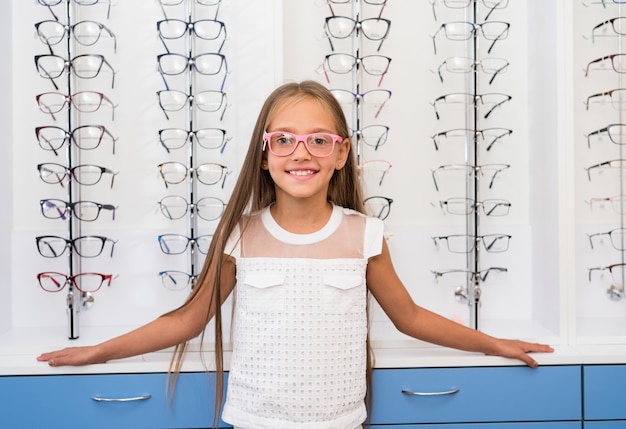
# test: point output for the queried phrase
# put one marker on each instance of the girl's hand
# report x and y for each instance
(71, 356)
(519, 350)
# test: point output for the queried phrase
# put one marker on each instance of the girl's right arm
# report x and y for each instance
(168, 330)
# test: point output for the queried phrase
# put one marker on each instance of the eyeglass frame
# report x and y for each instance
(192, 240)
(69, 100)
(190, 99)
(300, 138)
(191, 208)
(71, 244)
(69, 67)
(70, 211)
(69, 137)
(476, 97)
(475, 25)
(358, 27)
(475, 204)
(67, 29)
(360, 97)
(610, 234)
(357, 62)
(474, 239)
(386, 207)
(506, 132)
(69, 173)
(189, 171)
(499, 167)
(191, 30)
(192, 134)
(474, 66)
(71, 280)
(191, 65)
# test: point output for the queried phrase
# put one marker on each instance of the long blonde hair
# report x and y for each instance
(254, 191)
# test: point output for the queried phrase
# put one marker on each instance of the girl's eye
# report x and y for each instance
(284, 139)
(320, 140)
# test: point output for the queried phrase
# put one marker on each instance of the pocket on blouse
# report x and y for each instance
(264, 292)
(343, 292)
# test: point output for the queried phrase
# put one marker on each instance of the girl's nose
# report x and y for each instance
(301, 151)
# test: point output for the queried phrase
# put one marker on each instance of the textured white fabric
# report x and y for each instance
(300, 324)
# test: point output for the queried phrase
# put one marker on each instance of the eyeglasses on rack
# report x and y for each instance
(604, 3)
(615, 97)
(87, 246)
(376, 166)
(608, 28)
(462, 30)
(375, 97)
(374, 65)
(600, 168)
(85, 137)
(616, 236)
(467, 275)
(163, 4)
(208, 138)
(87, 211)
(491, 5)
(466, 243)
(50, 3)
(177, 280)
(491, 171)
(86, 33)
(52, 281)
(207, 101)
(466, 206)
(616, 270)
(616, 202)
(615, 62)
(84, 174)
(204, 29)
(208, 173)
(85, 66)
(489, 65)
(372, 135)
(83, 101)
(378, 206)
(342, 27)
(488, 101)
(486, 137)
(615, 132)
(208, 64)
(176, 207)
(177, 244)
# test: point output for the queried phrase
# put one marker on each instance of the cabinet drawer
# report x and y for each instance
(490, 394)
(499, 425)
(604, 392)
(68, 401)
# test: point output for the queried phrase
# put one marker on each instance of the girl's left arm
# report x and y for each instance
(417, 322)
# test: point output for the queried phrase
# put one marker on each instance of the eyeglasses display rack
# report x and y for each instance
(69, 39)
(359, 24)
(600, 163)
(476, 108)
(194, 95)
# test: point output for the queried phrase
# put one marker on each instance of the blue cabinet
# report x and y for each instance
(549, 397)
(106, 401)
(604, 396)
(477, 395)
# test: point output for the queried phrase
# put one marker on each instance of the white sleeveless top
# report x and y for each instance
(300, 323)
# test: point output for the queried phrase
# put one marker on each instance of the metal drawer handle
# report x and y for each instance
(445, 392)
(131, 399)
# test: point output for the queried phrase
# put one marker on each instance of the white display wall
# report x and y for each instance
(544, 295)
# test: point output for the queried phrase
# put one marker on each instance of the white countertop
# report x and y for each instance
(20, 347)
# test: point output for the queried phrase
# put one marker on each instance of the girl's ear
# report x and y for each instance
(342, 156)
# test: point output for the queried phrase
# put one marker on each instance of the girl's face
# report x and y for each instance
(302, 175)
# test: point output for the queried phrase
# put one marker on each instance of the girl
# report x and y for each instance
(300, 255)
